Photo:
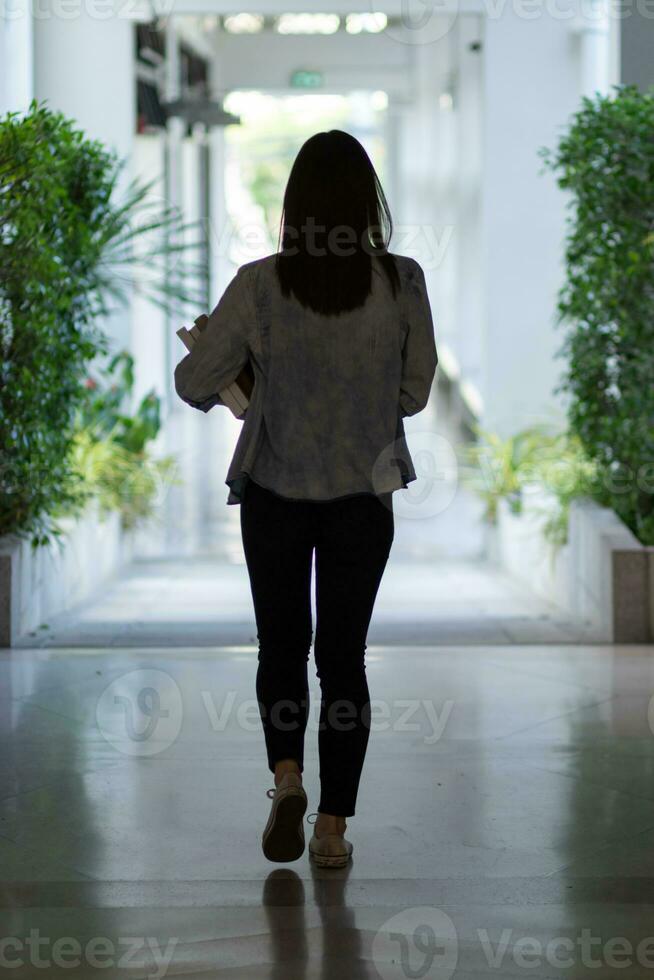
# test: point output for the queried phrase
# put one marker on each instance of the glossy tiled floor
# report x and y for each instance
(505, 824)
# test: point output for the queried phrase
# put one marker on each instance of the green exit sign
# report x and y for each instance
(305, 78)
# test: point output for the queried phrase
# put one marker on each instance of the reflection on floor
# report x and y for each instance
(505, 823)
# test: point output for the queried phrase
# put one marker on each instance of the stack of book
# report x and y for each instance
(236, 396)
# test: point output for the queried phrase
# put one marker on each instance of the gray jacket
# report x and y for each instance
(330, 394)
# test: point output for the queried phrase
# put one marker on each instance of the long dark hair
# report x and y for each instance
(335, 219)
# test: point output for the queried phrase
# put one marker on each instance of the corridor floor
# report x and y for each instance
(504, 828)
(505, 822)
(206, 602)
(190, 586)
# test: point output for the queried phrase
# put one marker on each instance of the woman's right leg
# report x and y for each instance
(352, 547)
(278, 550)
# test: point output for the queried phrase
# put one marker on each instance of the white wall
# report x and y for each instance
(531, 85)
(470, 175)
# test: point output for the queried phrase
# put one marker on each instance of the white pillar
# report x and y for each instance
(468, 340)
(84, 66)
(220, 266)
(596, 53)
(149, 341)
(393, 137)
(175, 129)
(531, 87)
(16, 57)
(224, 428)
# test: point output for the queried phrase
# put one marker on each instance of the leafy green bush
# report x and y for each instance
(120, 480)
(501, 469)
(111, 459)
(66, 259)
(101, 411)
(566, 472)
(497, 469)
(54, 198)
(606, 162)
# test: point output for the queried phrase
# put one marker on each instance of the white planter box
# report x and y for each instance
(613, 575)
(525, 553)
(36, 584)
(603, 575)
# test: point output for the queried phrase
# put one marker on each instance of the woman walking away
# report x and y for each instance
(339, 335)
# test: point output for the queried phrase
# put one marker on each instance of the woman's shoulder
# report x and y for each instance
(257, 266)
(406, 265)
(409, 271)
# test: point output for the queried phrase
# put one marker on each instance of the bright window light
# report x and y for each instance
(369, 23)
(244, 23)
(250, 104)
(308, 23)
(379, 101)
(446, 101)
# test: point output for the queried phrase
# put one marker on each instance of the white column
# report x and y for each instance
(429, 181)
(84, 67)
(393, 137)
(175, 130)
(468, 340)
(596, 53)
(224, 427)
(220, 266)
(531, 87)
(149, 339)
(16, 57)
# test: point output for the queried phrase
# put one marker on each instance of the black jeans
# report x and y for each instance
(351, 538)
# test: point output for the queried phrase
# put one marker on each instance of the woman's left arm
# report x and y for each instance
(222, 349)
(419, 355)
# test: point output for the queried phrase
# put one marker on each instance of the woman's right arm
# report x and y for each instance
(222, 348)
